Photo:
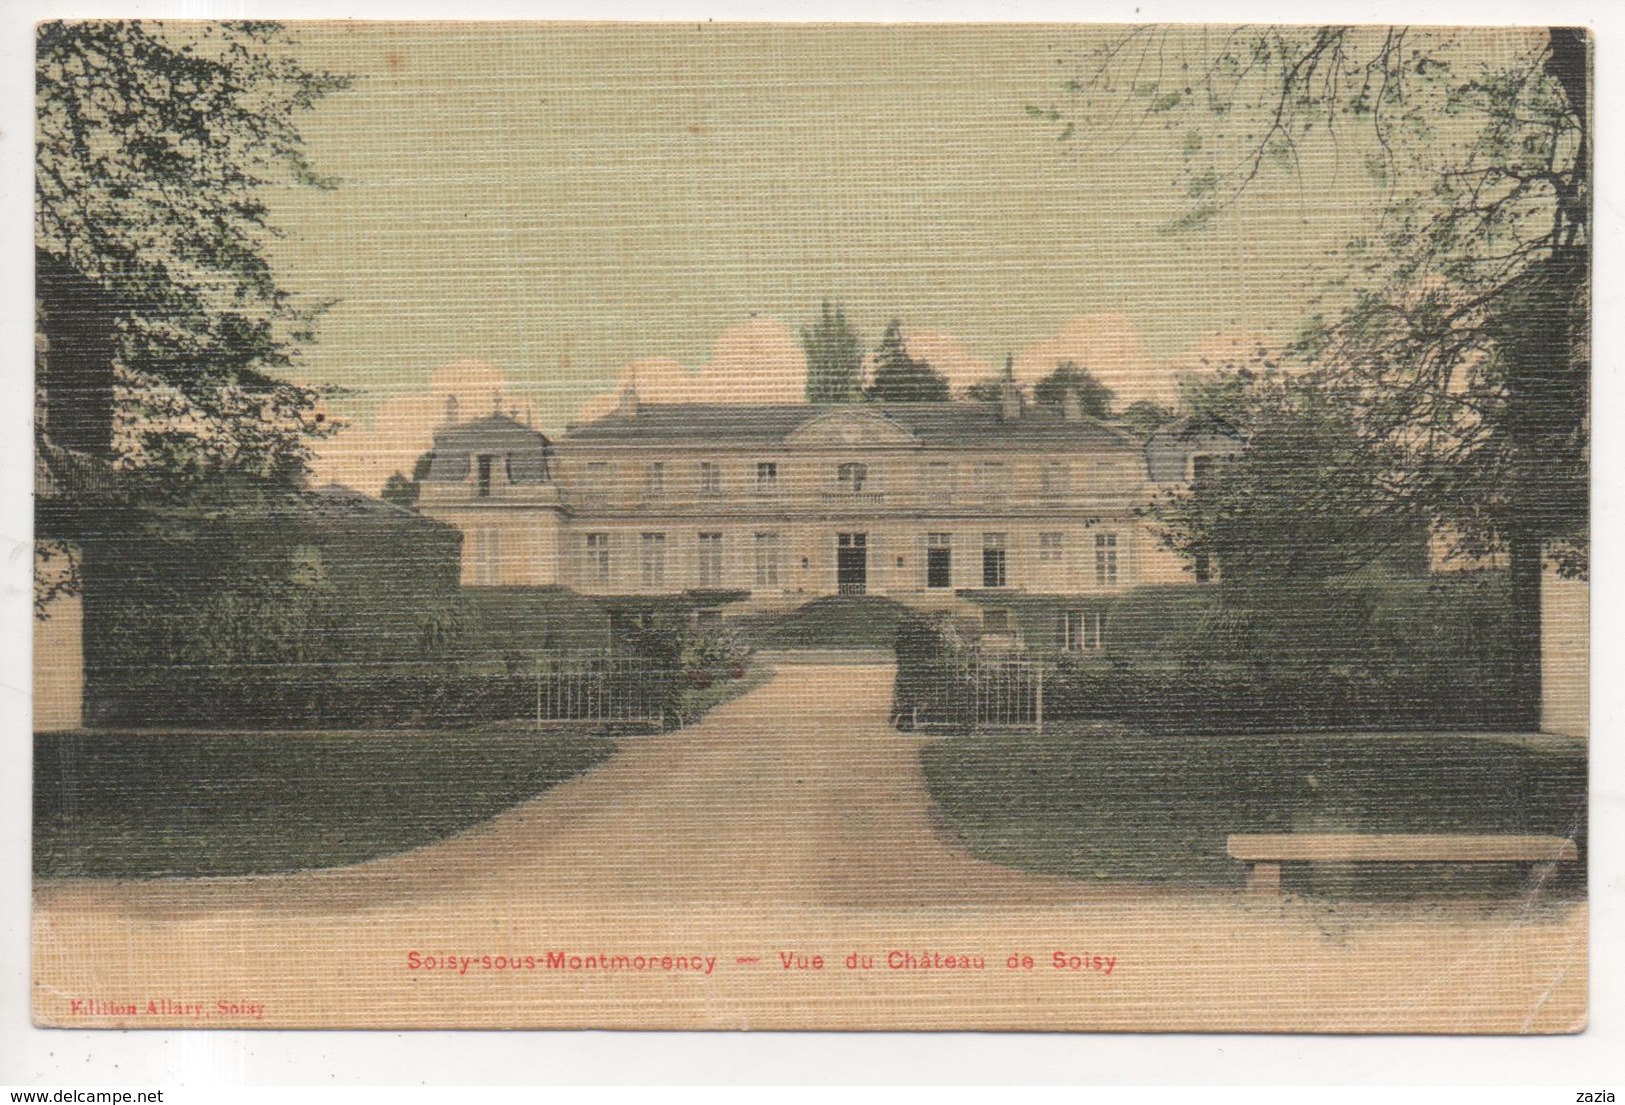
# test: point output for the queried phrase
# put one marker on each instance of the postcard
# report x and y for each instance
(811, 526)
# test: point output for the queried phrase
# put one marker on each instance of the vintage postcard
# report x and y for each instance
(850, 526)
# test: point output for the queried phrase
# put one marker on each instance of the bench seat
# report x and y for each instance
(1265, 852)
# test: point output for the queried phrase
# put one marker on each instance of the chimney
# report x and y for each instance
(1071, 405)
(628, 406)
(451, 410)
(1009, 393)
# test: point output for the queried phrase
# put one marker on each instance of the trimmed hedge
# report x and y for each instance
(438, 695)
(1403, 656)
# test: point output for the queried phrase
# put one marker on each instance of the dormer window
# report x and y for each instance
(852, 477)
(486, 463)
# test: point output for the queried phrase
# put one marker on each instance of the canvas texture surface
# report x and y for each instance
(856, 527)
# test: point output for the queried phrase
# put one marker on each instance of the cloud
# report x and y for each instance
(1108, 345)
(752, 362)
(364, 456)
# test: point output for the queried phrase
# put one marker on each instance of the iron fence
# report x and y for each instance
(600, 687)
(979, 693)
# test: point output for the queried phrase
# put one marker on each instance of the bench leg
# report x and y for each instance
(1264, 879)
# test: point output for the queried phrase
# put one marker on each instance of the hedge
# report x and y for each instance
(1405, 656)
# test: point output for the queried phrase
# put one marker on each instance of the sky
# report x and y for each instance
(549, 211)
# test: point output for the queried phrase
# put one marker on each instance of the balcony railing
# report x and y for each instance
(853, 498)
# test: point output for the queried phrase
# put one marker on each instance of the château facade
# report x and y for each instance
(937, 505)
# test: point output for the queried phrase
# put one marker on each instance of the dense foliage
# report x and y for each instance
(169, 334)
(1094, 397)
(276, 619)
(1456, 335)
(900, 378)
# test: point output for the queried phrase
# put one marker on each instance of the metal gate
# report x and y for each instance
(1006, 694)
(980, 694)
(598, 688)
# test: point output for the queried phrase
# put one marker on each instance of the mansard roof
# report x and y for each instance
(526, 449)
(933, 425)
(493, 433)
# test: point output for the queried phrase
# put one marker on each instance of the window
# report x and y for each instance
(654, 561)
(939, 560)
(1051, 548)
(595, 483)
(1203, 567)
(995, 620)
(767, 477)
(1106, 559)
(595, 558)
(1052, 479)
(939, 482)
(767, 560)
(852, 477)
(484, 476)
(1201, 465)
(1081, 630)
(654, 482)
(710, 478)
(992, 560)
(710, 560)
(487, 554)
(992, 484)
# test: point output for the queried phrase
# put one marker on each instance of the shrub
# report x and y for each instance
(717, 649)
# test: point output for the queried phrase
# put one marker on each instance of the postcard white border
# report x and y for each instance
(67, 1057)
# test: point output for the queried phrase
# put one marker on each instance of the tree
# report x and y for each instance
(1094, 396)
(399, 491)
(404, 492)
(834, 358)
(900, 378)
(1458, 336)
(168, 330)
(990, 390)
(1310, 500)
(1299, 525)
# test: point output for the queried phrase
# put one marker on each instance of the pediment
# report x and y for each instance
(849, 428)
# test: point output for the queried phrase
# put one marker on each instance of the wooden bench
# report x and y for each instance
(1265, 852)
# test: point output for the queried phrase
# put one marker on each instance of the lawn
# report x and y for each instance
(842, 621)
(126, 805)
(1091, 805)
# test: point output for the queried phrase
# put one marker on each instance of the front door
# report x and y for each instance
(851, 563)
